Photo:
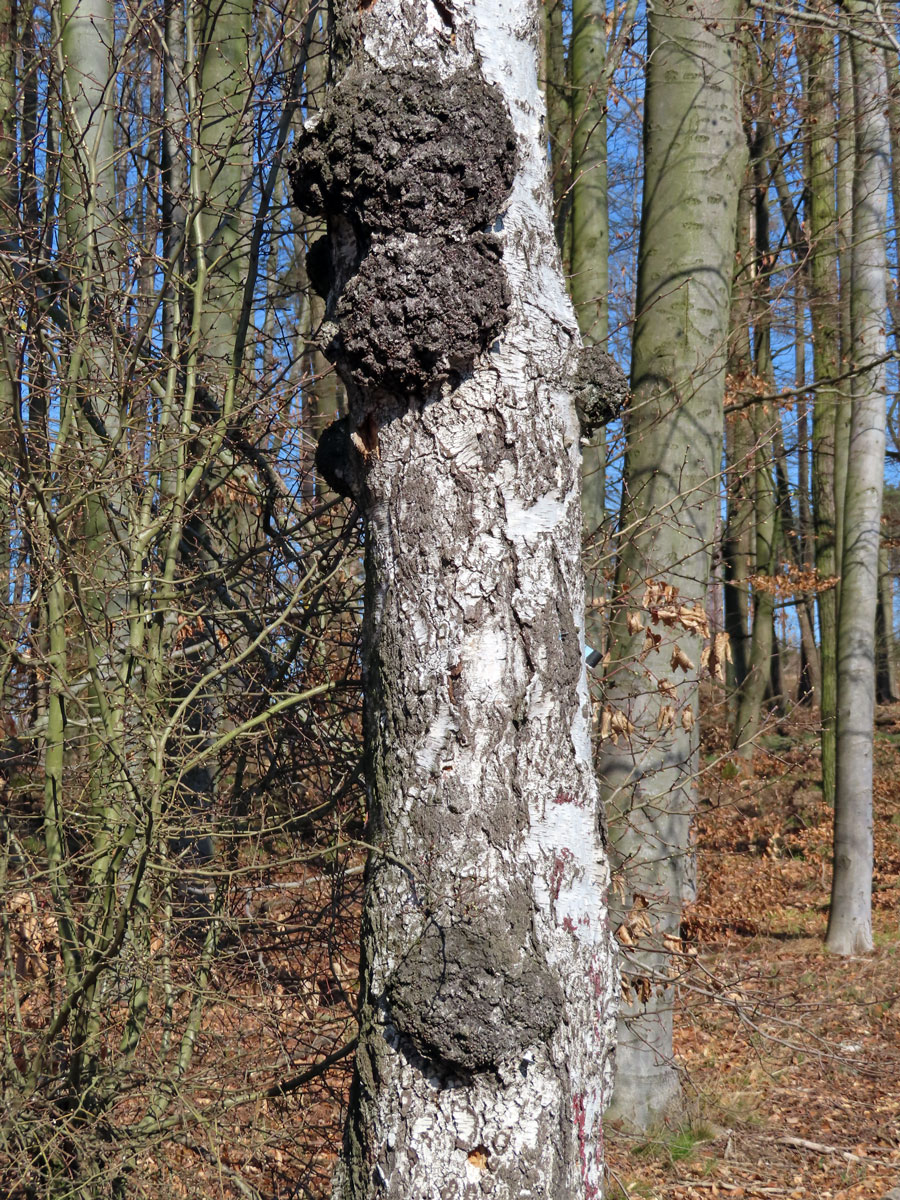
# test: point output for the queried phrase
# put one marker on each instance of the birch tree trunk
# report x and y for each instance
(850, 917)
(487, 1003)
(694, 154)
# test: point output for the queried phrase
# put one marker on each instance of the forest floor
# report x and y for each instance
(790, 1056)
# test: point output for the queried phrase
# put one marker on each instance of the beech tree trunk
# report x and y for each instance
(845, 169)
(825, 328)
(739, 458)
(694, 152)
(886, 684)
(850, 916)
(487, 1002)
(589, 280)
(559, 122)
(762, 680)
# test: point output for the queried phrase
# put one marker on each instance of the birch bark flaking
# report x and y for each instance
(487, 1004)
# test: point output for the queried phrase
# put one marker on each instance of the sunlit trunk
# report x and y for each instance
(850, 917)
(693, 159)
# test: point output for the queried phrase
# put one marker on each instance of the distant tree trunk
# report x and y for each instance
(694, 151)
(736, 547)
(793, 544)
(844, 176)
(215, 530)
(887, 573)
(488, 986)
(174, 192)
(89, 231)
(850, 917)
(893, 74)
(762, 638)
(809, 682)
(559, 122)
(589, 280)
(739, 459)
(826, 361)
(763, 646)
(8, 231)
(886, 682)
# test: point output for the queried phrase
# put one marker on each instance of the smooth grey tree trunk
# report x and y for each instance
(850, 916)
(825, 327)
(886, 689)
(740, 456)
(845, 168)
(694, 151)
(589, 280)
(488, 986)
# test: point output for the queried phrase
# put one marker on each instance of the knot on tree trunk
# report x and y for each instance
(474, 992)
(411, 170)
(600, 390)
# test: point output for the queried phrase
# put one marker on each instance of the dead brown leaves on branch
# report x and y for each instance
(661, 603)
(793, 581)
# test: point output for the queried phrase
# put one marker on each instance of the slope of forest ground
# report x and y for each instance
(791, 1056)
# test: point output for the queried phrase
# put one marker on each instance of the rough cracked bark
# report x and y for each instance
(487, 1004)
(850, 916)
(694, 152)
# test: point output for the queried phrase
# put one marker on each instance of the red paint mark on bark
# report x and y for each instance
(569, 925)
(591, 1190)
(597, 978)
(558, 870)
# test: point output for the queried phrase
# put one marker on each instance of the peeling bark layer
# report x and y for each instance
(487, 1006)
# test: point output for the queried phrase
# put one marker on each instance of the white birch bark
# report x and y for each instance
(850, 917)
(487, 1010)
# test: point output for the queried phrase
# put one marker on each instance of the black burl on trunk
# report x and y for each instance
(410, 171)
